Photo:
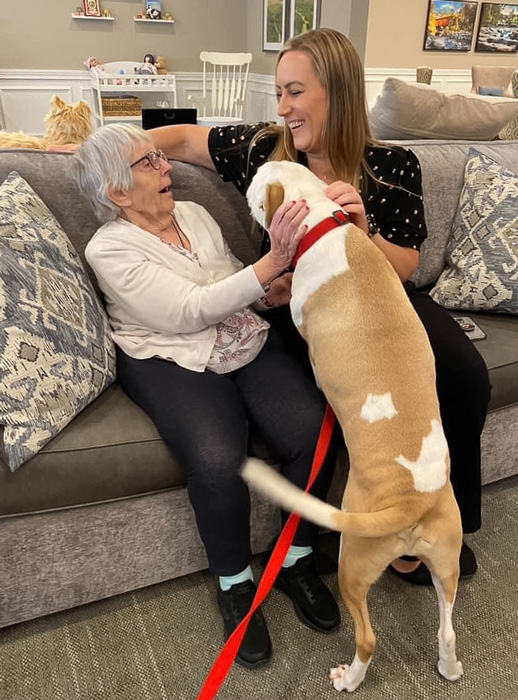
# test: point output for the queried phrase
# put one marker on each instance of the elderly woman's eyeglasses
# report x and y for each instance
(153, 158)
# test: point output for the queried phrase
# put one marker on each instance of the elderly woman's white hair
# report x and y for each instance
(103, 162)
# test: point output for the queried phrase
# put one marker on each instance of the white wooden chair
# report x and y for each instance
(225, 77)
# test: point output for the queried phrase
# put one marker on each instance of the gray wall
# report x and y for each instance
(43, 35)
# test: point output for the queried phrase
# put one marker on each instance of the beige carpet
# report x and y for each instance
(158, 643)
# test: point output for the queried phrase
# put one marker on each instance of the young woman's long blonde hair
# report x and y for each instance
(346, 129)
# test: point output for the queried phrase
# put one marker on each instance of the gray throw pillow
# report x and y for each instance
(56, 352)
(481, 271)
(415, 111)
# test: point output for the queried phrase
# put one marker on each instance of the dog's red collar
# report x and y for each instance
(337, 218)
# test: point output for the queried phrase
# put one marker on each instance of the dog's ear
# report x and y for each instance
(274, 199)
(56, 103)
(83, 108)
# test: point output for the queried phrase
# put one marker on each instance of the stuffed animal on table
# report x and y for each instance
(160, 65)
(66, 124)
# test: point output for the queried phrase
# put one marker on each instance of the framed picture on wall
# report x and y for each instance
(304, 15)
(92, 8)
(498, 28)
(274, 24)
(450, 25)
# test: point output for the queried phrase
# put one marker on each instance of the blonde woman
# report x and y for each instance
(321, 98)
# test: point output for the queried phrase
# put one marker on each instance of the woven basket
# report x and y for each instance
(121, 106)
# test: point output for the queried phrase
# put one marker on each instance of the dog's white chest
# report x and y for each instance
(323, 261)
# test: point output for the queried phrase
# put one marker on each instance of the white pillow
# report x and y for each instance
(418, 111)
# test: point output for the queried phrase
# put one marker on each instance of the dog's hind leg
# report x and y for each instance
(356, 575)
(446, 588)
(441, 556)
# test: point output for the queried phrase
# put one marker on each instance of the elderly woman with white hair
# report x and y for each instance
(203, 365)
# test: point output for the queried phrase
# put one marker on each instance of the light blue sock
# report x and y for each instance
(225, 582)
(294, 554)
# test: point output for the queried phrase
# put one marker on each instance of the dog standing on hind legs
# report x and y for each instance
(373, 361)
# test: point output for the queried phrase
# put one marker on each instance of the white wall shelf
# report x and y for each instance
(154, 21)
(110, 19)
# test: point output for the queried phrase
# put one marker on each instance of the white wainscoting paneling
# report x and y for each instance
(25, 96)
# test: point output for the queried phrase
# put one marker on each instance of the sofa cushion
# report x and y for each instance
(500, 352)
(482, 254)
(56, 352)
(406, 111)
(110, 451)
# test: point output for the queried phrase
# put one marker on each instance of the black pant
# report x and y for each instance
(462, 387)
(204, 420)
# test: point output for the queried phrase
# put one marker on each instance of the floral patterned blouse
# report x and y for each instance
(239, 337)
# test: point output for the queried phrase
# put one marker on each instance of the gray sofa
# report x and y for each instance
(103, 508)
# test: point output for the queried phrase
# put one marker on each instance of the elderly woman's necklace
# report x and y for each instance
(181, 235)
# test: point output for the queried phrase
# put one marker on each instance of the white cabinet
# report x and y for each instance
(122, 87)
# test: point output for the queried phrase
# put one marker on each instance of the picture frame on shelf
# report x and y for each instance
(153, 9)
(304, 15)
(274, 24)
(450, 25)
(497, 28)
(92, 8)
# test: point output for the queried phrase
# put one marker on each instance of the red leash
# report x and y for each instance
(221, 666)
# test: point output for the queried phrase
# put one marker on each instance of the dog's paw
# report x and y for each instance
(452, 671)
(339, 677)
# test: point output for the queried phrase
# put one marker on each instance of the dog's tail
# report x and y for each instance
(281, 491)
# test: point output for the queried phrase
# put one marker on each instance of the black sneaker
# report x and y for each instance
(256, 647)
(312, 600)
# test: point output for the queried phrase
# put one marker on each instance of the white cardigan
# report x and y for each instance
(159, 302)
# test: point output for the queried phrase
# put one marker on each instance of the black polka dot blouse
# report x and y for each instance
(391, 192)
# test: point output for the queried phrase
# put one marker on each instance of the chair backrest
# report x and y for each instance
(491, 77)
(225, 76)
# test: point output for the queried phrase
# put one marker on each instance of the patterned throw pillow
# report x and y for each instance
(481, 271)
(510, 130)
(56, 352)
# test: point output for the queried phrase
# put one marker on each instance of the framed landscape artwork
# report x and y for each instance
(304, 15)
(274, 24)
(498, 28)
(450, 25)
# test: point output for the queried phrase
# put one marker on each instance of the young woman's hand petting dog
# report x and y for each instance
(349, 198)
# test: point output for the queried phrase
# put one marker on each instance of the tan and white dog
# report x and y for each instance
(373, 361)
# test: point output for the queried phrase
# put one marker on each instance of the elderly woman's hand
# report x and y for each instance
(286, 231)
(350, 200)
